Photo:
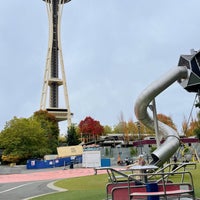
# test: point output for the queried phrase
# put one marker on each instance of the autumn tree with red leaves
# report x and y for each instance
(90, 129)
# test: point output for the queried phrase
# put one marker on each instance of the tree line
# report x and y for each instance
(39, 135)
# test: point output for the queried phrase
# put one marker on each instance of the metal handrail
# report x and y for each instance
(163, 180)
(111, 173)
(180, 166)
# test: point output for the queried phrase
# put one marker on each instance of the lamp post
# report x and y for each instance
(139, 137)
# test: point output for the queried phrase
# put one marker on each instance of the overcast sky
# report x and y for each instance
(112, 50)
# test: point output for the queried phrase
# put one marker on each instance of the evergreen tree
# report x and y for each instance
(72, 136)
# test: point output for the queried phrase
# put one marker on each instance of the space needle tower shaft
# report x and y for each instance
(54, 63)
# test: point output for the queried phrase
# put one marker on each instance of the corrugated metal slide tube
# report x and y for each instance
(171, 144)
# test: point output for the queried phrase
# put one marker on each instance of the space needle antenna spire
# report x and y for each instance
(54, 63)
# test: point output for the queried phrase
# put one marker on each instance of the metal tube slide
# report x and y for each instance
(171, 137)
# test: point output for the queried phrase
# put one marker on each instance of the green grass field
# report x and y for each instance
(93, 187)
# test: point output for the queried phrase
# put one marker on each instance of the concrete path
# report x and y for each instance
(47, 174)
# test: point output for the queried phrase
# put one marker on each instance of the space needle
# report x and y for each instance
(55, 65)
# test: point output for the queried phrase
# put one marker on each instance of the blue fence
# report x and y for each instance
(60, 162)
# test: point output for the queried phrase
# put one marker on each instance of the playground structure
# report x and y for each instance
(155, 181)
(188, 75)
(188, 153)
(171, 143)
(156, 184)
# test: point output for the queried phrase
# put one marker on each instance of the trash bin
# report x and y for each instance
(152, 187)
(71, 166)
(105, 162)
